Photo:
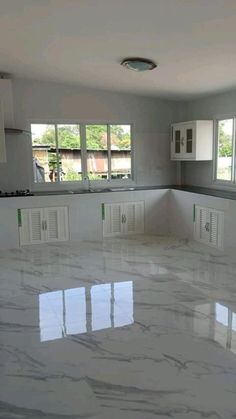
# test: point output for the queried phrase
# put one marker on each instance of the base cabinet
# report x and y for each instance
(209, 226)
(40, 225)
(123, 218)
(3, 157)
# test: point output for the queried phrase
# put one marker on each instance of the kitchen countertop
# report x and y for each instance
(103, 190)
(219, 193)
(186, 188)
(225, 194)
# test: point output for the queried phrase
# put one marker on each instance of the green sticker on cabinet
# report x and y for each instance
(19, 217)
(103, 211)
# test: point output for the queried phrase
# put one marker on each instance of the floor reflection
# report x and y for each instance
(79, 310)
(217, 322)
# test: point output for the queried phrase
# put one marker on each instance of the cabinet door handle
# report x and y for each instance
(123, 219)
(182, 141)
(44, 225)
(207, 227)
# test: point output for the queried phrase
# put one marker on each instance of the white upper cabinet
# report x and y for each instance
(3, 157)
(192, 140)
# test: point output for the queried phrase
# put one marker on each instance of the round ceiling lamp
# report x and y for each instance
(138, 64)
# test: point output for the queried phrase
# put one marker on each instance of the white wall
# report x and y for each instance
(215, 106)
(41, 101)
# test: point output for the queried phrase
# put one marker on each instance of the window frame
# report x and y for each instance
(224, 182)
(83, 184)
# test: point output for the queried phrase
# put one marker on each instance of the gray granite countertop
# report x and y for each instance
(187, 188)
(226, 194)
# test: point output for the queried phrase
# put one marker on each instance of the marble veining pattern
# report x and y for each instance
(137, 328)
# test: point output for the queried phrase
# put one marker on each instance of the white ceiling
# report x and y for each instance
(82, 42)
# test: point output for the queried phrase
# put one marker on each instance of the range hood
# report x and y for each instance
(6, 97)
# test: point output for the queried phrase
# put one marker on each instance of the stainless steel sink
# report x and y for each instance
(99, 190)
(91, 190)
(80, 191)
(121, 189)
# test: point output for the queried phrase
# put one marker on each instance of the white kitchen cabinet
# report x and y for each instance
(192, 140)
(40, 225)
(3, 157)
(209, 226)
(123, 218)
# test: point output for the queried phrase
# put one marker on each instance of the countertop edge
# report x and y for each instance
(218, 193)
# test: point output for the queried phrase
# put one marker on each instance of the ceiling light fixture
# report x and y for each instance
(138, 64)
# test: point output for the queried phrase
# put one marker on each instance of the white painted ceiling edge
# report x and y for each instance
(81, 42)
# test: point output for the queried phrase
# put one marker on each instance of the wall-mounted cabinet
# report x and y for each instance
(123, 218)
(40, 225)
(3, 157)
(192, 140)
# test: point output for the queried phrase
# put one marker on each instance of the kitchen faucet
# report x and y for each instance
(88, 182)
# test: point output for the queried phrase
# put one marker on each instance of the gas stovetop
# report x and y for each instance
(24, 192)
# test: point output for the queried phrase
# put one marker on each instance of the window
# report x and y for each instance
(225, 150)
(71, 152)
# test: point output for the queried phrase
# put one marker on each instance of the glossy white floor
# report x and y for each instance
(140, 328)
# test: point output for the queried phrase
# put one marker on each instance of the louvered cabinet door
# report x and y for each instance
(31, 226)
(40, 225)
(209, 226)
(216, 237)
(56, 224)
(134, 217)
(204, 225)
(112, 220)
(3, 157)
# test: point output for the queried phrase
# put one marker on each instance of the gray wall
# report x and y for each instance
(215, 106)
(40, 101)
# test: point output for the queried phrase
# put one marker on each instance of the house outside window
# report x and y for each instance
(72, 152)
(225, 172)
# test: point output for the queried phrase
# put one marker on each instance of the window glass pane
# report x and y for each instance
(97, 151)
(69, 152)
(225, 149)
(177, 141)
(189, 145)
(44, 153)
(120, 151)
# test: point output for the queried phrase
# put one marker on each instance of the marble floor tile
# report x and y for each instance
(136, 328)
